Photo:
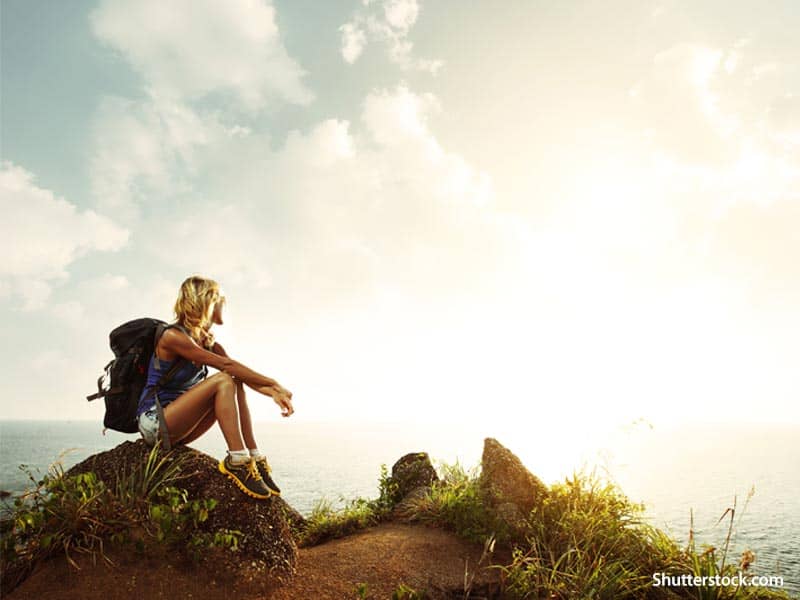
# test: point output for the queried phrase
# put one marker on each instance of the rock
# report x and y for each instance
(513, 518)
(405, 509)
(412, 471)
(297, 522)
(505, 479)
(267, 543)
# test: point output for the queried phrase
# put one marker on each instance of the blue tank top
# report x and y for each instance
(184, 379)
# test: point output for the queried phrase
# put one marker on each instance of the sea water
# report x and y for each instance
(675, 472)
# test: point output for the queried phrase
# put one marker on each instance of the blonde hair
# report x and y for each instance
(193, 308)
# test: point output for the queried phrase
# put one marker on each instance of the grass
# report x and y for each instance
(80, 515)
(402, 592)
(585, 540)
(325, 523)
(588, 540)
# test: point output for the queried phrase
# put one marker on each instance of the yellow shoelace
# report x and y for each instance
(253, 470)
(263, 460)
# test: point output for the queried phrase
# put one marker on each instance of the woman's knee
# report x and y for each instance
(223, 381)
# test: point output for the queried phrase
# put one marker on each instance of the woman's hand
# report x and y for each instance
(285, 403)
(281, 398)
(283, 390)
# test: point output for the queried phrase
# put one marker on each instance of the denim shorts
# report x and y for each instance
(148, 426)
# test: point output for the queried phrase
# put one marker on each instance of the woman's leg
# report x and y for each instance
(215, 395)
(244, 417)
(206, 421)
(203, 425)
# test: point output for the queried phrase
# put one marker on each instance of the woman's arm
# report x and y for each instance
(281, 395)
(184, 346)
(218, 349)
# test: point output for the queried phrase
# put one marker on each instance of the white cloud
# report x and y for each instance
(150, 150)
(190, 48)
(388, 22)
(44, 235)
(90, 300)
(401, 14)
(392, 116)
(353, 41)
(699, 105)
(677, 100)
(223, 242)
(302, 232)
(145, 151)
(717, 137)
(338, 212)
(72, 312)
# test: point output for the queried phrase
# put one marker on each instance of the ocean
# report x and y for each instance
(672, 471)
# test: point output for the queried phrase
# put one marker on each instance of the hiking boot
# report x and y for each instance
(265, 470)
(246, 477)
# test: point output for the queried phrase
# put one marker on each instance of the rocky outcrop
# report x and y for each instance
(406, 509)
(267, 547)
(412, 477)
(267, 557)
(510, 489)
(412, 471)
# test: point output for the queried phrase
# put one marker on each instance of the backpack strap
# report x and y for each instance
(179, 362)
(160, 329)
(162, 424)
(100, 391)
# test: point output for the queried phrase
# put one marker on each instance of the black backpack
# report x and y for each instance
(133, 343)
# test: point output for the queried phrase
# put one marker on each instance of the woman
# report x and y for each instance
(193, 403)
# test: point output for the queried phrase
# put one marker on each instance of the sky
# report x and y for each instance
(546, 216)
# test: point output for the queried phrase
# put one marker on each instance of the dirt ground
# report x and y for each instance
(383, 557)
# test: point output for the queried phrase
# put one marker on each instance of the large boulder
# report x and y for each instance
(412, 477)
(267, 546)
(406, 509)
(507, 484)
(412, 472)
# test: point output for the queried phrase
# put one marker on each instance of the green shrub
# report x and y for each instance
(61, 514)
(585, 540)
(176, 521)
(388, 492)
(457, 502)
(404, 592)
(325, 523)
(79, 514)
